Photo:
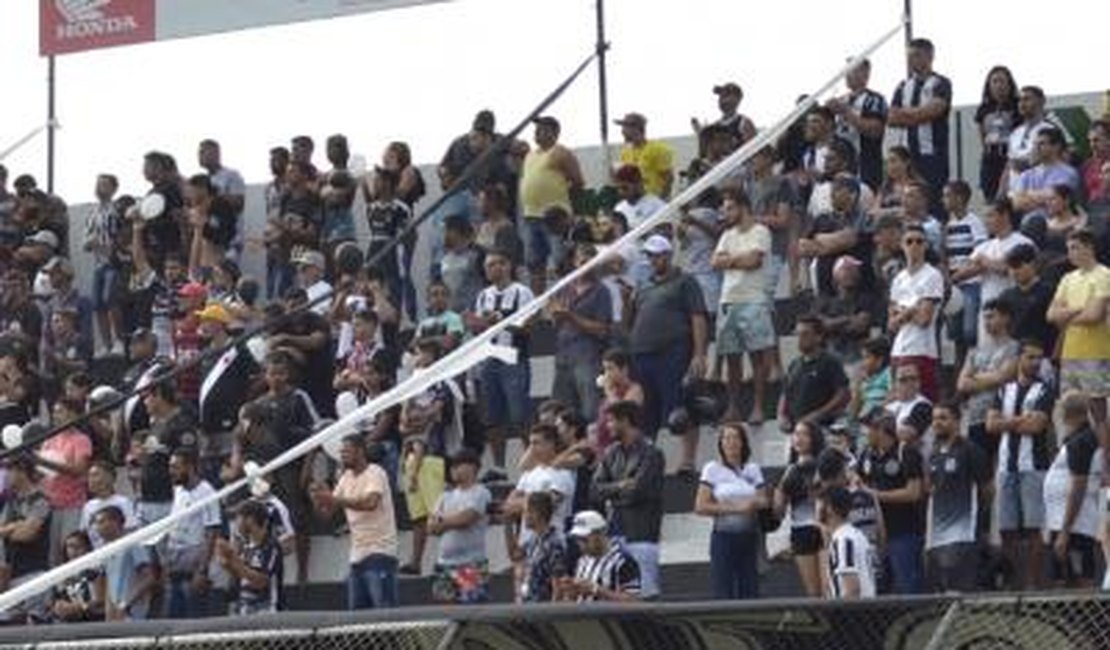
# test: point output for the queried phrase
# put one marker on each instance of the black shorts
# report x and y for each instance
(805, 540)
(1080, 562)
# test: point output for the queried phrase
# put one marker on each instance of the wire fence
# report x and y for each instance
(1049, 622)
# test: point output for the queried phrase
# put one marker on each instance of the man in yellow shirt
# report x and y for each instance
(654, 159)
(1079, 311)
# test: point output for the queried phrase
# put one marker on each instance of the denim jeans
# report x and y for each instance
(279, 278)
(968, 325)
(372, 583)
(733, 564)
(184, 602)
(661, 374)
(904, 553)
(576, 384)
(506, 389)
(646, 555)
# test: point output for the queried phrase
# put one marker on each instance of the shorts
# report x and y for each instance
(710, 284)
(1080, 563)
(107, 287)
(745, 327)
(543, 248)
(805, 540)
(430, 480)
(1020, 501)
(505, 391)
(461, 583)
(952, 567)
(1091, 376)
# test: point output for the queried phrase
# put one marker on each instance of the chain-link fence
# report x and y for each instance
(1056, 622)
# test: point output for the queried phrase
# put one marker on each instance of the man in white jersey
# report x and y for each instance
(850, 556)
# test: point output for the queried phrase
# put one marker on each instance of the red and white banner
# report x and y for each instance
(76, 25)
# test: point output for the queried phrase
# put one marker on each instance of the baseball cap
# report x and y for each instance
(215, 312)
(193, 290)
(632, 119)
(44, 237)
(728, 88)
(588, 522)
(310, 258)
(657, 245)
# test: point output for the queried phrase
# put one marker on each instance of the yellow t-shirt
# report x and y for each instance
(542, 185)
(1085, 342)
(654, 160)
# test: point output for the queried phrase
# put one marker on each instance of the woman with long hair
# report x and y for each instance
(797, 491)
(732, 492)
(997, 115)
(1063, 219)
(899, 174)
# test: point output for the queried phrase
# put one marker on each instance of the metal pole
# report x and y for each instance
(907, 10)
(50, 124)
(602, 88)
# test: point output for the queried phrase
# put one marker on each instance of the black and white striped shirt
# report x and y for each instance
(1018, 453)
(615, 571)
(505, 301)
(930, 138)
(851, 554)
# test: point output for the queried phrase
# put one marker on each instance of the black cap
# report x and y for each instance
(484, 121)
(728, 88)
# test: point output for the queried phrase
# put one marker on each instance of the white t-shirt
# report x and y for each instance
(993, 283)
(96, 504)
(549, 479)
(907, 290)
(639, 212)
(745, 285)
(506, 301)
(851, 554)
(320, 288)
(191, 531)
(729, 484)
(1080, 453)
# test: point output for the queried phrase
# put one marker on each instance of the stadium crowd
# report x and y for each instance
(897, 463)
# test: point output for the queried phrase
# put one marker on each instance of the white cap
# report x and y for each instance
(657, 245)
(587, 523)
(46, 238)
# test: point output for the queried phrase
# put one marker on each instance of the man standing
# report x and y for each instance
(1030, 297)
(24, 524)
(172, 427)
(583, 315)
(364, 495)
(229, 186)
(1071, 497)
(1036, 186)
(102, 230)
(1023, 139)
(102, 494)
(815, 388)
(919, 117)
(131, 576)
(549, 175)
(850, 553)
(190, 543)
(739, 127)
(959, 499)
(605, 571)
(666, 320)
(915, 297)
(985, 371)
(1021, 418)
(653, 158)
(257, 564)
(988, 259)
(629, 480)
(861, 120)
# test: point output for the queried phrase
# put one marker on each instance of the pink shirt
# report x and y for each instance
(70, 447)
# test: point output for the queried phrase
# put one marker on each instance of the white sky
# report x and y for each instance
(419, 74)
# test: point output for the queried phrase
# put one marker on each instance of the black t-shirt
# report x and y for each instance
(1030, 310)
(179, 431)
(221, 224)
(319, 368)
(34, 555)
(285, 420)
(265, 558)
(955, 473)
(812, 382)
(891, 471)
(162, 234)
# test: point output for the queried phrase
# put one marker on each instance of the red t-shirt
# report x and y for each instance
(70, 448)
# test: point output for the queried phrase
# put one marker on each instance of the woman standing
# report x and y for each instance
(797, 490)
(996, 116)
(732, 492)
(900, 173)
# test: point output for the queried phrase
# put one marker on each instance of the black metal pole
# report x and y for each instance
(602, 85)
(50, 121)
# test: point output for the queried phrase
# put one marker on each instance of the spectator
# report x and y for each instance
(1071, 497)
(549, 176)
(441, 322)
(916, 211)
(296, 224)
(190, 544)
(460, 520)
(21, 321)
(306, 335)
(310, 265)
(839, 231)
(24, 525)
(1079, 311)
(545, 554)
(696, 234)
(1023, 138)
(504, 386)
(466, 149)
(849, 312)
(212, 221)
(963, 232)
(301, 149)
(775, 203)
(337, 195)
(80, 599)
(872, 384)
(256, 565)
(103, 494)
(66, 458)
(997, 117)
(738, 126)
(851, 561)
(988, 259)
(1029, 297)
(912, 411)
(228, 384)
(895, 472)
(637, 203)
(667, 337)
(410, 184)
(653, 158)
(836, 469)
(797, 489)
(629, 481)
(103, 240)
(583, 315)
(364, 495)
(731, 491)
(919, 117)
(161, 235)
(191, 298)
(131, 576)
(985, 372)
(1021, 419)
(915, 295)
(815, 389)
(460, 267)
(279, 162)
(544, 446)
(388, 217)
(616, 385)
(497, 230)
(606, 571)
(959, 498)
(1051, 234)
(229, 185)
(68, 350)
(1094, 185)
(172, 427)
(900, 172)
(744, 325)
(1033, 190)
(861, 121)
